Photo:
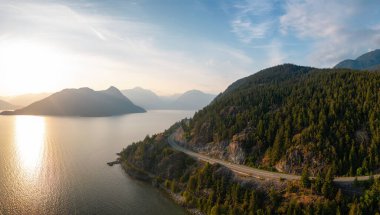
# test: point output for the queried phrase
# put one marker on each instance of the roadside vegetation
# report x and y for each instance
(213, 189)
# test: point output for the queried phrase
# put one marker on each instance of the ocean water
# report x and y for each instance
(57, 165)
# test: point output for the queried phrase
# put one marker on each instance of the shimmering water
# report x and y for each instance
(57, 165)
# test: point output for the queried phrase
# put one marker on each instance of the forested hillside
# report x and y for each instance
(288, 117)
(203, 188)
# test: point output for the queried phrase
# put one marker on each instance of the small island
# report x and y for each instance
(83, 102)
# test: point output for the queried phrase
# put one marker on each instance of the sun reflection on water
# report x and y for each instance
(30, 133)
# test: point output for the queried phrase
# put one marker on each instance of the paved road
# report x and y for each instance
(254, 172)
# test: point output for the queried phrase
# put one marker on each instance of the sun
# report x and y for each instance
(28, 67)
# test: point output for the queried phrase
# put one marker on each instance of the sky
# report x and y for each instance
(172, 46)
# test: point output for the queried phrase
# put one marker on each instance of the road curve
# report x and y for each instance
(254, 172)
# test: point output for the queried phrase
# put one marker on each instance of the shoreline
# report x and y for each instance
(147, 177)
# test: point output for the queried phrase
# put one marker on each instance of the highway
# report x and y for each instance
(254, 172)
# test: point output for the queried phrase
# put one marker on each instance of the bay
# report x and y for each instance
(57, 165)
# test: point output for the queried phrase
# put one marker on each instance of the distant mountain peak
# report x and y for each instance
(138, 88)
(367, 61)
(193, 91)
(6, 105)
(113, 91)
(81, 102)
(83, 89)
(112, 88)
(190, 100)
(71, 90)
(25, 99)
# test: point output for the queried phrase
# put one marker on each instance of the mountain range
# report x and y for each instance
(190, 100)
(7, 106)
(147, 99)
(25, 99)
(81, 102)
(367, 61)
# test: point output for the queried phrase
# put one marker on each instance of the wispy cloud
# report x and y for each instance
(254, 23)
(312, 18)
(251, 19)
(114, 47)
(330, 30)
(112, 50)
(247, 31)
(337, 29)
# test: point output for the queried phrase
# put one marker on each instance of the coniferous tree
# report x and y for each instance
(305, 180)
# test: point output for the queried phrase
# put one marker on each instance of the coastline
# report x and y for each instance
(147, 177)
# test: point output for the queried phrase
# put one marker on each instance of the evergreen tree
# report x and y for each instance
(305, 180)
(215, 210)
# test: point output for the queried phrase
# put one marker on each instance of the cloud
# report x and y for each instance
(251, 20)
(312, 18)
(254, 23)
(336, 29)
(246, 31)
(328, 31)
(112, 50)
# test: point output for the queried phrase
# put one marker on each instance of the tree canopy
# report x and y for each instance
(297, 116)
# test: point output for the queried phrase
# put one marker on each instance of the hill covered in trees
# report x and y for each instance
(287, 117)
(203, 188)
(320, 122)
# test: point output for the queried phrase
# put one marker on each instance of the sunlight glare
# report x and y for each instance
(30, 67)
(30, 134)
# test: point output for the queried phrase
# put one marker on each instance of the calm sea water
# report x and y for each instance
(57, 165)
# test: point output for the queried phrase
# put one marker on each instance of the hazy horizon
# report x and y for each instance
(46, 46)
(173, 94)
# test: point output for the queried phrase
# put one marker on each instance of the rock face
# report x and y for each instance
(81, 102)
(367, 61)
(231, 151)
(299, 156)
(235, 150)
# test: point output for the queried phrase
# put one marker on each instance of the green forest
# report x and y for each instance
(300, 116)
(321, 122)
(213, 189)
